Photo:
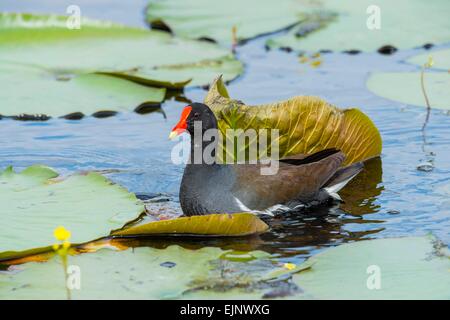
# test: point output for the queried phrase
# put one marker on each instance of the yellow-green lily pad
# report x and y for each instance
(237, 224)
(306, 125)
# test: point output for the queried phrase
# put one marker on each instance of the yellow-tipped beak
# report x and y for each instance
(172, 135)
(181, 125)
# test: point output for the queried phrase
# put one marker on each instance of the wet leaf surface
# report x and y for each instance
(405, 87)
(441, 59)
(215, 19)
(354, 26)
(41, 55)
(238, 224)
(306, 125)
(36, 201)
(395, 268)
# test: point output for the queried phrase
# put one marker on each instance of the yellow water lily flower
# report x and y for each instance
(62, 249)
(61, 233)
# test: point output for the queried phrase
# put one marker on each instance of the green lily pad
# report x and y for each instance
(35, 201)
(141, 273)
(149, 273)
(441, 59)
(215, 19)
(405, 87)
(349, 31)
(47, 92)
(170, 273)
(409, 268)
(413, 267)
(43, 49)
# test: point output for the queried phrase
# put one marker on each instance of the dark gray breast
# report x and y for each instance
(206, 189)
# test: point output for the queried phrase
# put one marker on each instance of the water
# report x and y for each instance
(391, 198)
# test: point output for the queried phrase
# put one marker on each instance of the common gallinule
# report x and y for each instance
(300, 181)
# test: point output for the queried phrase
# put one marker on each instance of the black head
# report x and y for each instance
(195, 112)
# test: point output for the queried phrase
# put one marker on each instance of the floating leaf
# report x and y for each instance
(132, 274)
(306, 124)
(355, 26)
(408, 268)
(32, 90)
(441, 59)
(35, 201)
(414, 268)
(215, 19)
(405, 87)
(237, 224)
(149, 273)
(43, 49)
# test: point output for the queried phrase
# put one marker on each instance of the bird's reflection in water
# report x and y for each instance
(297, 234)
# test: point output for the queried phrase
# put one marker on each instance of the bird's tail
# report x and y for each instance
(341, 178)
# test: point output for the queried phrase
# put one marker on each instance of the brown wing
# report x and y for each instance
(290, 182)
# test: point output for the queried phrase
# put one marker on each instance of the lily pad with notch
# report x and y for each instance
(39, 51)
(214, 20)
(361, 26)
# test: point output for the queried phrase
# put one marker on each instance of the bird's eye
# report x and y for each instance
(196, 115)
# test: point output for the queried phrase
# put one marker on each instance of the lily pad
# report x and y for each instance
(170, 273)
(89, 206)
(405, 87)
(306, 124)
(238, 224)
(349, 31)
(409, 268)
(441, 59)
(35, 201)
(413, 267)
(31, 90)
(215, 19)
(44, 49)
(145, 275)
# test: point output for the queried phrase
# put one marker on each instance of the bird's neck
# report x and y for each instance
(203, 149)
